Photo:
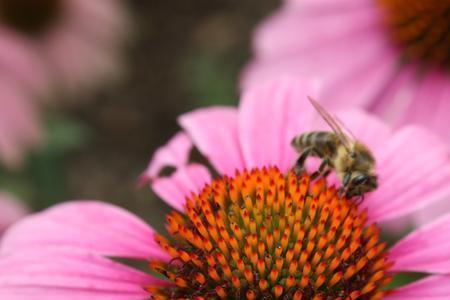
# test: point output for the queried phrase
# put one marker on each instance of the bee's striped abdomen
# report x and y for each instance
(323, 143)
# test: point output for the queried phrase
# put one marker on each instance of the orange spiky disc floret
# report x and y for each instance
(421, 28)
(264, 235)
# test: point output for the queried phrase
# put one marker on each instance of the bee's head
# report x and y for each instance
(360, 183)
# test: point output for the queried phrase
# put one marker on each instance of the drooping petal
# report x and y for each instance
(215, 133)
(270, 116)
(425, 250)
(72, 275)
(94, 227)
(413, 170)
(430, 288)
(181, 184)
(173, 154)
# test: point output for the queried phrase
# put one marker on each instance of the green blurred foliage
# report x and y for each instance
(211, 79)
(43, 180)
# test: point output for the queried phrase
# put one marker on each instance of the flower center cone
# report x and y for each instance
(266, 235)
(421, 28)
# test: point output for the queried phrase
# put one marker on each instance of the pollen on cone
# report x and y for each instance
(264, 235)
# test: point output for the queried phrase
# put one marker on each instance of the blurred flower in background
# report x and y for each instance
(76, 43)
(52, 48)
(390, 56)
(223, 246)
(20, 124)
(11, 210)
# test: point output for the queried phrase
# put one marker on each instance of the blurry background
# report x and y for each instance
(181, 55)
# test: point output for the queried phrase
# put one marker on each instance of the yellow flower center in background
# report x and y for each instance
(30, 16)
(421, 28)
(264, 235)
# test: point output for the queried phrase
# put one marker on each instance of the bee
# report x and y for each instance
(352, 161)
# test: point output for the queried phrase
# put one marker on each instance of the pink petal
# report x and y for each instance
(11, 210)
(435, 89)
(34, 274)
(431, 212)
(94, 227)
(414, 171)
(329, 5)
(430, 288)
(339, 69)
(269, 118)
(174, 154)
(342, 92)
(288, 31)
(181, 184)
(214, 132)
(408, 101)
(395, 99)
(425, 250)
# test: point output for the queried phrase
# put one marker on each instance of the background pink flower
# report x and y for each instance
(20, 128)
(389, 56)
(48, 46)
(70, 43)
(63, 251)
(11, 210)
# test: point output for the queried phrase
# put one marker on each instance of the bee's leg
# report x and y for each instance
(322, 171)
(345, 184)
(359, 200)
(326, 173)
(299, 164)
(342, 191)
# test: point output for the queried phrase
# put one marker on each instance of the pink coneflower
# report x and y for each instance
(72, 42)
(391, 56)
(263, 233)
(11, 210)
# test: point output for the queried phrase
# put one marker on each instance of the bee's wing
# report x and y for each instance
(343, 126)
(333, 123)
